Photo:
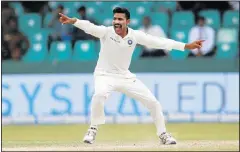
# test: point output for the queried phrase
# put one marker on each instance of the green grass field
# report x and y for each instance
(190, 136)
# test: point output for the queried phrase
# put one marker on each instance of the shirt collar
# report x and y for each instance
(128, 34)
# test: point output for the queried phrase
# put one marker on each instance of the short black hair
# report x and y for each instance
(122, 10)
(61, 6)
(82, 8)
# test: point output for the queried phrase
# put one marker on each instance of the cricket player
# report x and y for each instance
(112, 69)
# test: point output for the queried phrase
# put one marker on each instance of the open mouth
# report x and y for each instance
(117, 27)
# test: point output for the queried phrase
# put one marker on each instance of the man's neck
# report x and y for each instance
(124, 33)
(84, 17)
(146, 26)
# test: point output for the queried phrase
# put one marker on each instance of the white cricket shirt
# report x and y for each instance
(116, 52)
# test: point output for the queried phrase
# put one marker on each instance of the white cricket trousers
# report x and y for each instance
(133, 88)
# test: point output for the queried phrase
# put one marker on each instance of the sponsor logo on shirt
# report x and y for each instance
(115, 40)
(130, 42)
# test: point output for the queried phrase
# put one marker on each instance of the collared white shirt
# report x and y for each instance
(116, 52)
(203, 33)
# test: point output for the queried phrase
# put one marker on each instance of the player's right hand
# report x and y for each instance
(66, 20)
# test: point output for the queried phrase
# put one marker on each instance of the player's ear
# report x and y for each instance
(128, 21)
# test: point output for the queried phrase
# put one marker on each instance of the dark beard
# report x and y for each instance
(120, 26)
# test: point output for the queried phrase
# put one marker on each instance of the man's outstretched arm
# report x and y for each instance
(164, 43)
(86, 26)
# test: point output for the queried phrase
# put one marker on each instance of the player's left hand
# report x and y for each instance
(194, 45)
(66, 20)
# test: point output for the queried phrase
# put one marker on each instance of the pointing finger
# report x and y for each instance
(62, 15)
(200, 41)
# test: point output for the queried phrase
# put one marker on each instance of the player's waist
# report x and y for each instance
(115, 73)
